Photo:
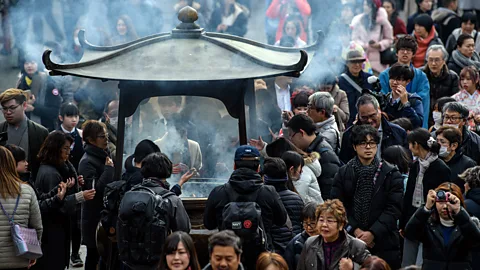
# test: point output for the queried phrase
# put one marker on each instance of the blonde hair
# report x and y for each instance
(19, 95)
(9, 179)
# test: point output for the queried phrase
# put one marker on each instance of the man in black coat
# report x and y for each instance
(443, 81)
(456, 114)
(301, 131)
(372, 192)
(247, 183)
(369, 113)
(19, 129)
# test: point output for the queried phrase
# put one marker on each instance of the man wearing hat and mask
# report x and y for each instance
(246, 185)
(353, 81)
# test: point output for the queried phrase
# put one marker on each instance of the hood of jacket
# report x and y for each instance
(457, 32)
(441, 13)
(314, 165)
(245, 180)
(474, 195)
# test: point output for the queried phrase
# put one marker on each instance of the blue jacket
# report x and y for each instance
(418, 85)
(352, 93)
(414, 112)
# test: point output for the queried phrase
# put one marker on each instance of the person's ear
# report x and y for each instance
(301, 131)
(454, 146)
(60, 118)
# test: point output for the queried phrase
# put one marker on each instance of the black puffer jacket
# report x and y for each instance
(281, 235)
(457, 255)
(294, 249)
(92, 167)
(385, 209)
(458, 164)
(470, 145)
(472, 203)
(329, 162)
(445, 85)
(436, 174)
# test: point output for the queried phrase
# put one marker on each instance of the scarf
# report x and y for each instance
(462, 61)
(420, 55)
(418, 198)
(447, 222)
(362, 198)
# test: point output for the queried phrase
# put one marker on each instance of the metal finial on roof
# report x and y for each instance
(188, 15)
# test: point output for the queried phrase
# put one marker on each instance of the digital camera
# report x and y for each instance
(442, 196)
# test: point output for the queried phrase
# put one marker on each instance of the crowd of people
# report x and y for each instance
(372, 165)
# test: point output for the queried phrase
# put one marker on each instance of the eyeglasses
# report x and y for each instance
(369, 144)
(435, 60)
(10, 109)
(328, 221)
(397, 80)
(368, 117)
(405, 50)
(312, 225)
(452, 118)
(290, 137)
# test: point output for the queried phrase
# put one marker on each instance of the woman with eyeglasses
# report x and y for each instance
(427, 172)
(54, 170)
(334, 248)
(372, 191)
(446, 230)
(97, 169)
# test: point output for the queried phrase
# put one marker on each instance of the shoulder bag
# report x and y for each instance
(388, 56)
(25, 240)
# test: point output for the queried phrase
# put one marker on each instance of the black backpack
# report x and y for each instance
(113, 195)
(143, 225)
(244, 217)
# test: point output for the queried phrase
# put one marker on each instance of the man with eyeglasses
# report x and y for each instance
(455, 114)
(371, 191)
(443, 81)
(353, 81)
(20, 130)
(406, 48)
(369, 112)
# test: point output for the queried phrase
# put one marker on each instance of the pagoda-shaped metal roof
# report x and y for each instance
(188, 53)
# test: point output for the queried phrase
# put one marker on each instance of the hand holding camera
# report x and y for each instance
(453, 202)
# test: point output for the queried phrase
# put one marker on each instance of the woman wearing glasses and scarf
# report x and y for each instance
(372, 192)
(445, 229)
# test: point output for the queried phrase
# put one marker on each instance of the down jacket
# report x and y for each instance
(281, 235)
(27, 215)
(307, 186)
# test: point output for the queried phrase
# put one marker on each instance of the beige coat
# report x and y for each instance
(27, 215)
(343, 113)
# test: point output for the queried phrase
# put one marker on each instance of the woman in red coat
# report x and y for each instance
(281, 9)
(398, 24)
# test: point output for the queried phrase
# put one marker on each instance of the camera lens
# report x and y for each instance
(441, 196)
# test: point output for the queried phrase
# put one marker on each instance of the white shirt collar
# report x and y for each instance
(66, 131)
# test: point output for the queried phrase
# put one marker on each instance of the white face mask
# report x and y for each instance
(437, 117)
(444, 151)
(113, 121)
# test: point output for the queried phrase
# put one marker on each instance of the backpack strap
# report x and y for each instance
(352, 83)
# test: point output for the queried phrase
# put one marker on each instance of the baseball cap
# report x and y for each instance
(247, 152)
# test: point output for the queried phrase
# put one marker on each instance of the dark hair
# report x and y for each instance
(366, 99)
(446, 3)
(442, 101)
(393, 18)
(360, 133)
(399, 156)
(292, 159)
(91, 129)
(296, 22)
(17, 152)
(328, 79)
(472, 71)
(471, 176)
(69, 109)
(453, 189)
(404, 123)
(225, 238)
(370, 19)
(131, 33)
(145, 148)
(171, 245)
(453, 135)
(461, 39)
(401, 72)
(469, 17)
(458, 107)
(156, 165)
(421, 136)
(274, 168)
(278, 147)
(287, 41)
(300, 99)
(375, 263)
(407, 42)
(309, 210)
(50, 152)
(302, 121)
(248, 164)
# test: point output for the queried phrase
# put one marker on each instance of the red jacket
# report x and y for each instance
(400, 28)
(278, 10)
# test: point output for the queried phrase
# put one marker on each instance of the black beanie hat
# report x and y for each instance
(145, 148)
(424, 20)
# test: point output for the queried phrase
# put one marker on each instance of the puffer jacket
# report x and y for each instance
(294, 249)
(436, 255)
(329, 162)
(307, 186)
(329, 130)
(451, 44)
(281, 235)
(313, 253)
(27, 215)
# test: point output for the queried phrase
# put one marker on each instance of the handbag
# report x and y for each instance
(388, 56)
(25, 240)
